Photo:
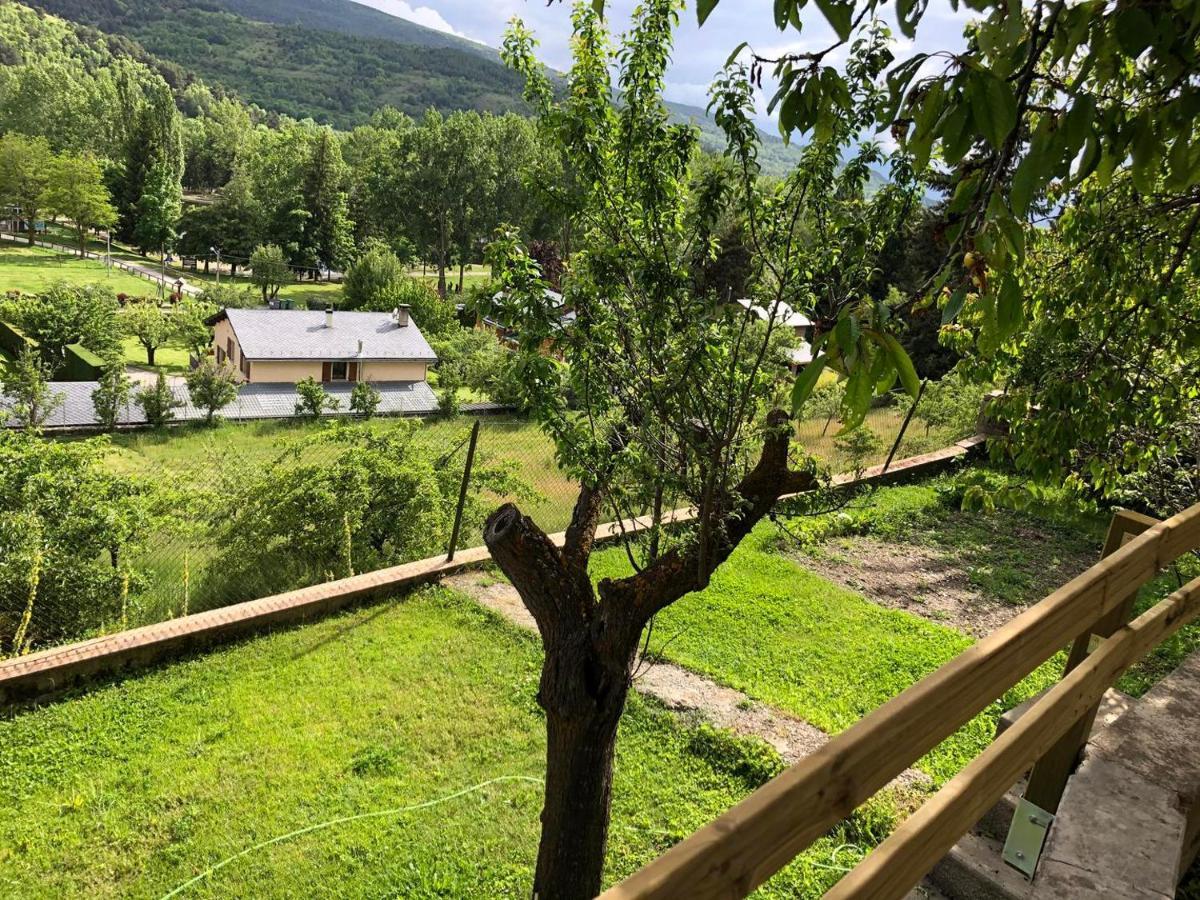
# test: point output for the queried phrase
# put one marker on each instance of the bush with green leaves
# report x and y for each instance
(953, 403)
(857, 446)
(229, 296)
(364, 399)
(212, 387)
(69, 531)
(311, 399)
(347, 498)
(29, 398)
(370, 277)
(158, 402)
(65, 314)
(111, 396)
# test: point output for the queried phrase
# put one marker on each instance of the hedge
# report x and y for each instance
(14, 341)
(81, 364)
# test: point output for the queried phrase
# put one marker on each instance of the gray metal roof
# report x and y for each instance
(254, 401)
(301, 334)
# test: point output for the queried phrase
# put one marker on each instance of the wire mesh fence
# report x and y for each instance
(206, 517)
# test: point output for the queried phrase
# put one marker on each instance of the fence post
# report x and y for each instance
(1049, 776)
(462, 491)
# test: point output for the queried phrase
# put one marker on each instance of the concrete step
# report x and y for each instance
(973, 870)
(996, 820)
(1113, 705)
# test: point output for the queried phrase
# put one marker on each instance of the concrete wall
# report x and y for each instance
(266, 370)
(392, 371)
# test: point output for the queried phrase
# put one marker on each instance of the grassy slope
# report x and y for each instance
(31, 269)
(140, 785)
(783, 635)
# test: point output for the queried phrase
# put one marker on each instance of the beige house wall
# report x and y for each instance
(392, 371)
(222, 333)
(268, 370)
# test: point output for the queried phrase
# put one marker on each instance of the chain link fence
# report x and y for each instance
(214, 516)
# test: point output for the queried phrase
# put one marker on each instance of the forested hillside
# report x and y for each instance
(335, 78)
(341, 65)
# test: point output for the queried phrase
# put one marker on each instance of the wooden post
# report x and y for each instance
(1049, 777)
(462, 491)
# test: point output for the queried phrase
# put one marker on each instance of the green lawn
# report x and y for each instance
(783, 635)
(172, 360)
(31, 269)
(141, 785)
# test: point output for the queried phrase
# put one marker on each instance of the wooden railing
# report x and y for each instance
(745, 846)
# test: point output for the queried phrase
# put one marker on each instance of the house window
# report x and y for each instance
(337, 372)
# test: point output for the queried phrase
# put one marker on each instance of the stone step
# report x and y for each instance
(996, 820)
(1113, 705)
(973, 870)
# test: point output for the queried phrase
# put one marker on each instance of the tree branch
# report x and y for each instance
(677, 573)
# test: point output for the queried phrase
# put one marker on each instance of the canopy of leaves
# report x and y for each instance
(349, 498)
(68, 532)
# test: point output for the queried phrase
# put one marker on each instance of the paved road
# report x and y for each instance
(147, 272)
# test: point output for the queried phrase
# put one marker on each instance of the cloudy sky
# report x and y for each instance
(699, 52)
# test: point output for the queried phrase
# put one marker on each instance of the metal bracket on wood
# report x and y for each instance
(1026, 837)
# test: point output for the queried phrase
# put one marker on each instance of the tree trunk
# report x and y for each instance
(150, 355)
(461, 270)
(575, 814)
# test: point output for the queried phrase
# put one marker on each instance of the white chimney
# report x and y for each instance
(329, 316)
(400, 314)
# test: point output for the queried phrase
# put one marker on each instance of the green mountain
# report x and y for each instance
(351, 18)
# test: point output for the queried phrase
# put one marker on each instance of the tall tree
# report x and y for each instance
(158, 211)
(153, 158)
(24, 174)
(328, 229)
(674, 389)
(75, 189)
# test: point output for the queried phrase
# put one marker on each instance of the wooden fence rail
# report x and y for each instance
(748, 844)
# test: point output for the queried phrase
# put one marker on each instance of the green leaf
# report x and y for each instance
(1009, 309)
(1024, 182)
(736, 50)
(954, 305)
(805, 382)
(993, 106)
(704, 9)
(838, 15)
(904, 365)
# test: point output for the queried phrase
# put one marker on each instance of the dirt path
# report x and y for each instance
(677, 688)
(915, 579)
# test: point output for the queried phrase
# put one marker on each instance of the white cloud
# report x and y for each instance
(421, 15)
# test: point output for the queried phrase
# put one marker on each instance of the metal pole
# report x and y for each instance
(218, 268)
(462, 491)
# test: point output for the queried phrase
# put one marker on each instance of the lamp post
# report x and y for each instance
(217, 251)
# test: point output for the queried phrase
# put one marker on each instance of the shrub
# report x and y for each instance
(350, 497)
(952, 403)
(64, 314)
(212, 387)
(364, 399)
(228, 296)
(111, 395)
(372, 274)
(312, 401)
(158, 402)
(27, 386)
(69, 527)
(857, 447)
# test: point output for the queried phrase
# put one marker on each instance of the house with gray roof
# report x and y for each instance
(283, 346)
